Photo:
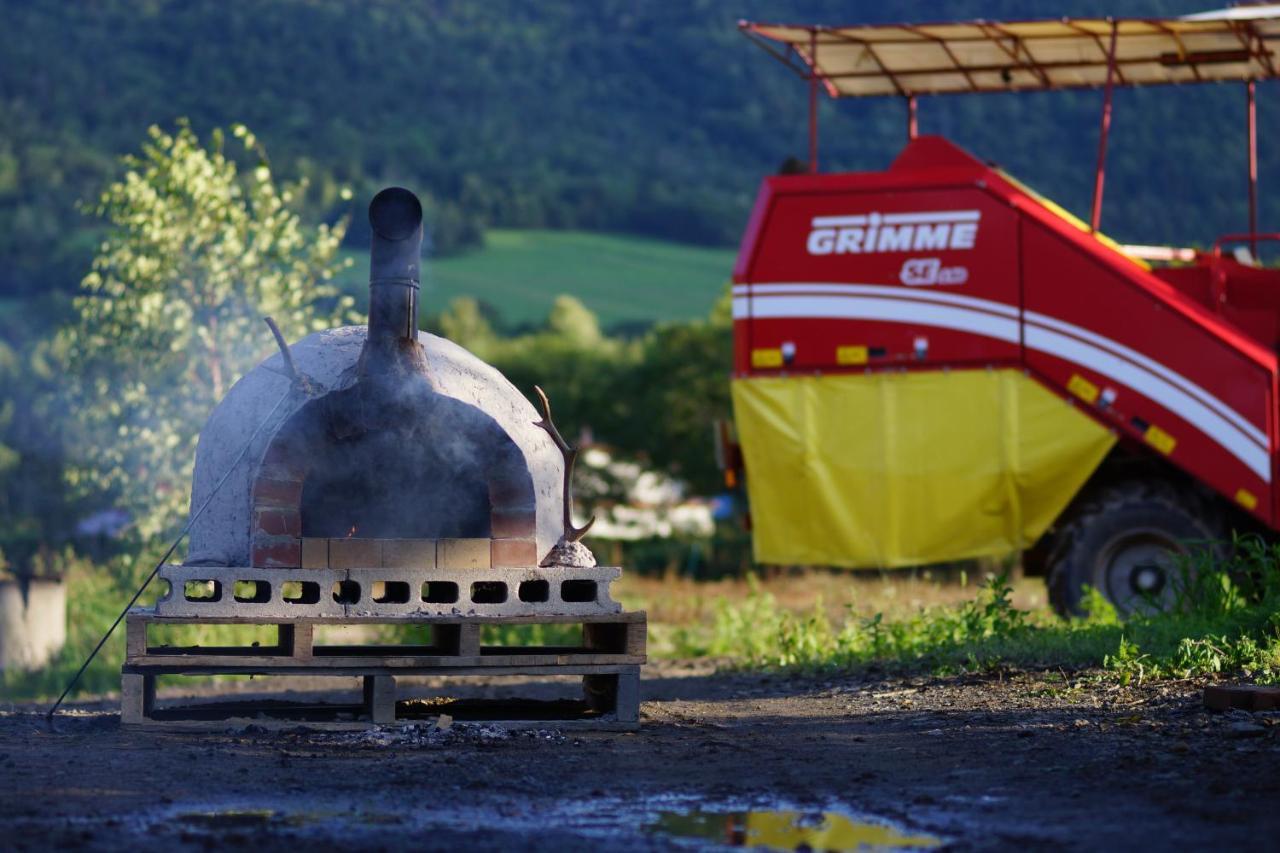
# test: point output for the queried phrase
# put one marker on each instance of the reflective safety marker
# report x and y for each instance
(1246, 499)
(851, 355)
(1082, 388)
(1159, 439)
(766, 358)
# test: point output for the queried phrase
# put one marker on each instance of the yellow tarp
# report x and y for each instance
(900, 469)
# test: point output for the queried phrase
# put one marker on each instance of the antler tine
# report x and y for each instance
(571, 533)
(549, 425)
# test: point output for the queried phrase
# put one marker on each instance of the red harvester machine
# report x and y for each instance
(934, 363)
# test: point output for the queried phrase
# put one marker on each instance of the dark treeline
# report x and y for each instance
(654, 118)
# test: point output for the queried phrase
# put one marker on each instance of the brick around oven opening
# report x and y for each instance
(513, 553)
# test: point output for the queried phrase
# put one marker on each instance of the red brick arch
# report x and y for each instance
(276, 504)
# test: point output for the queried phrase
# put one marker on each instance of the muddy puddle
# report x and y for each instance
(785, 829)
(680, 821)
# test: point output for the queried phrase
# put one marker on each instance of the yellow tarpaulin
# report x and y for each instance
(901, 469)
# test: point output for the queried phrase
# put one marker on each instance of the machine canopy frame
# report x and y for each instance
(972, 57)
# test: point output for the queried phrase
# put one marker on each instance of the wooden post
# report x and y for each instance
(380, 698)
(137, 698)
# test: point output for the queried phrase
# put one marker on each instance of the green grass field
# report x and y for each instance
(622, 279)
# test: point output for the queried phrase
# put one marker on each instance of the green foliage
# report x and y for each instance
(95, 593)
(628, 282)
(1228, 623)
(646, 118)
(654, 398)
(196, 252)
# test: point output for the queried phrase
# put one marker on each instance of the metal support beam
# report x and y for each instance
(913, 123)
(1252, 119)
(1100, 174)
(813, 102)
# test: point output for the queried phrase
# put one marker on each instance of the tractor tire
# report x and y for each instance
(1124, 543)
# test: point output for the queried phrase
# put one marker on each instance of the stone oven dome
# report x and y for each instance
(256, 518)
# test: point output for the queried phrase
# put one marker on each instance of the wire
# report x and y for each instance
(167, 554)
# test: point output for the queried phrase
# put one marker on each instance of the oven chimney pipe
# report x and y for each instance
(395, 266)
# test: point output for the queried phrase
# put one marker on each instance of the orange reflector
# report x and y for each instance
(851, 355)
(1160, 440)
(766, 358)
(1082, 388)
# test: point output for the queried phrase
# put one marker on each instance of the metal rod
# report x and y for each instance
(167, 554)
(813, 102)
(1100, 174)
(1252, 119)
(913, 124)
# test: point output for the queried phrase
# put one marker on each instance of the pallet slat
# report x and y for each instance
(609, 660)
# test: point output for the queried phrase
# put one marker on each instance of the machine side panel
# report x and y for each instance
(909, 275)
(1109, 334)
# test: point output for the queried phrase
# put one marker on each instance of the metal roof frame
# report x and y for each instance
(974, 57)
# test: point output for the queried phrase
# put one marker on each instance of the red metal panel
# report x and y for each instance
(1089, 318)
(819, 289)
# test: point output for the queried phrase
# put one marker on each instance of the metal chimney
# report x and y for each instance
(395, 265)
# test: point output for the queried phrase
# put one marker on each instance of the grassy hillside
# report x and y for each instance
(611, 116)
(622, 279)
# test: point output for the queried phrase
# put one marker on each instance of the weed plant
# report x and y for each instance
(1225, 620)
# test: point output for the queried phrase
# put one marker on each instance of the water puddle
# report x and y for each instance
(229, 819)
(788, 830)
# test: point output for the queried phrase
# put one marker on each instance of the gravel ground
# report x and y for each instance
(1020, 759)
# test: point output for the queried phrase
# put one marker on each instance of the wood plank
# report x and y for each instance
(135, 637)
(137, 697)
(168, 724)
(380, 698)
(172, 668)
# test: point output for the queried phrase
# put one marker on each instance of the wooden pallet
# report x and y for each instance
(608, 659)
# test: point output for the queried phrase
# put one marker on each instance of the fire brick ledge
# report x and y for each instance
(532, 591)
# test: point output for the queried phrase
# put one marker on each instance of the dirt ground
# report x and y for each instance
(1039, 760)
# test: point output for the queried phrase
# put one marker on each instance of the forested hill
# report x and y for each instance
(646, 117)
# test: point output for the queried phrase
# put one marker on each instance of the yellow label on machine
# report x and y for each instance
(904, 469)
(1160, 440)
(1082, 388)
(851, 355)
(766, 358)
(1247, 499)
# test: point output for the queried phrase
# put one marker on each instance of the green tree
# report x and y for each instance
(197, 251)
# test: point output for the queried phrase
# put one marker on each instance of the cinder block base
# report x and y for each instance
(323, 593)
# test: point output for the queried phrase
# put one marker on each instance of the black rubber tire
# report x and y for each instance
(1123, 520)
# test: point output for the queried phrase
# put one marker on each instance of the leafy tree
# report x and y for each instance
(196, 252)
(574, 322)
(464, 323)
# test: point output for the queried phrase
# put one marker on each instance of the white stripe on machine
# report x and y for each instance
(1045, 334)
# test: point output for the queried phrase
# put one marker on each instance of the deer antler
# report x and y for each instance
(571, 533)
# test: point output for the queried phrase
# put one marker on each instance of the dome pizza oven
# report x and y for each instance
(392, 473)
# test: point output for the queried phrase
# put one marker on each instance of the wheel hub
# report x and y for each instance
(1138, 572)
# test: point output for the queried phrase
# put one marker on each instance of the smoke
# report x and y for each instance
(394, 459)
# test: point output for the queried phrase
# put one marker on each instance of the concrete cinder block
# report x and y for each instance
(362, 582)
(463, 554)
(315, 553)
(355, 553)
(409, 553)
